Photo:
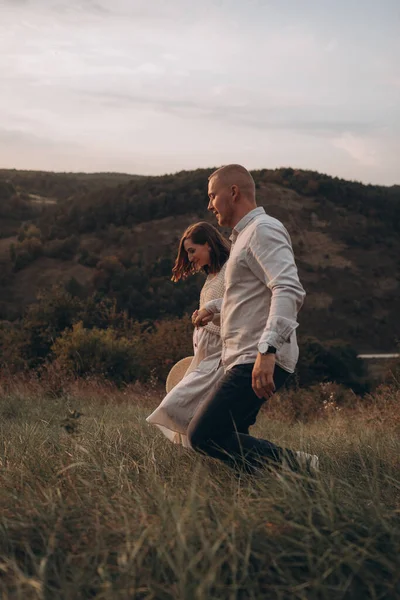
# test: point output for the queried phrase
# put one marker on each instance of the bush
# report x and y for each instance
(87, 258)
(62, 249)
(333, 361)
(13, 341)
(55, 311)
(29, 231)
(98, 352)
(7, 190)
(109, 274)
(165, 343)
(26, 252)
(310, 404)
(392, 375)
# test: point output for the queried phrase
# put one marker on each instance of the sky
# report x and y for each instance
(154, 87)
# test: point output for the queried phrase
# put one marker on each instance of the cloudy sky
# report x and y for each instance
(157, 86)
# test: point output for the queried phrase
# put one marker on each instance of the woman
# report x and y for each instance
(202, 247)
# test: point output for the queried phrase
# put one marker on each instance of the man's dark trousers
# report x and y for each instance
(220, 426)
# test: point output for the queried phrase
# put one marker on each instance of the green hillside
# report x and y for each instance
(113, 238)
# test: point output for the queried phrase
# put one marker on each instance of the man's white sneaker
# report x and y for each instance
(307, 462)
(301, 462)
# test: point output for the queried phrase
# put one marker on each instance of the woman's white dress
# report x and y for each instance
(176, 410)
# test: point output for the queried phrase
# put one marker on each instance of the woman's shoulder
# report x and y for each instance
(216, 277)
(221, 272)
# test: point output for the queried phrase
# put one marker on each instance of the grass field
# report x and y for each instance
(112, 510)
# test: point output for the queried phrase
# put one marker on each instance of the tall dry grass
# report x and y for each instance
(100, 505)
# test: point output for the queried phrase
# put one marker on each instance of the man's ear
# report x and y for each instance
(234, 191)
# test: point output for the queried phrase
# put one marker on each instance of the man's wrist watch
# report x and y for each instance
(265, 348)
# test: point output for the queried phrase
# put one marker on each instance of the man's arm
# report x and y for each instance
(214, 306)
(271, 259)
(208, 313)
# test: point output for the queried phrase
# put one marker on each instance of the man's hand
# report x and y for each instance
(263, 375)
(201, 317)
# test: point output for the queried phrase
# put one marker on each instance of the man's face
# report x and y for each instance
(221, 202)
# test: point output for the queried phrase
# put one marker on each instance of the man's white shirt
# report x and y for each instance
(263, 293)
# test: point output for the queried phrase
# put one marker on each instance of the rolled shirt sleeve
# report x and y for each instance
(214, 306)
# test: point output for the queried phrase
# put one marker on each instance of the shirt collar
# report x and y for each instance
(245, 221)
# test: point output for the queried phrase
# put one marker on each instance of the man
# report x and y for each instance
(258, 314)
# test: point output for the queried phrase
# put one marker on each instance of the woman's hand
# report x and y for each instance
(201, 317)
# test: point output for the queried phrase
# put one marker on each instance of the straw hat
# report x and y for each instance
(177, 373)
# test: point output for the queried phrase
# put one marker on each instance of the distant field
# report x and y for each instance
(102, 506)
(379, 364)
(41, 199)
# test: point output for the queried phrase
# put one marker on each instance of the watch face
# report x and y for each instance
(263, 348)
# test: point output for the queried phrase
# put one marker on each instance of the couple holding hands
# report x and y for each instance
(245, 345)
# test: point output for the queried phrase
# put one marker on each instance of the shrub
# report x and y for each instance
(109, 274)
(309, 404)
(44, 321)
(26, 252)
(62, 249)
(333, 361)
(13, 342)
(29, 231)
(87, 258)
(98, 352)
(392, 375)
(7, 190)
(165, 343)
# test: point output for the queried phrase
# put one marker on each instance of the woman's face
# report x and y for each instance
(198, 254)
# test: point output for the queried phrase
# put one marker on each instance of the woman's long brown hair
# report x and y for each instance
(201, 233)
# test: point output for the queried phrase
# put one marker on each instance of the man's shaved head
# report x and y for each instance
(231, 193)
(236, 175)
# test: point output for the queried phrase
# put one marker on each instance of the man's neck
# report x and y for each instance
(242, 213)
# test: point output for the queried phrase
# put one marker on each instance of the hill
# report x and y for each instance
(116, 236)
(25, 195)
(60, 186)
